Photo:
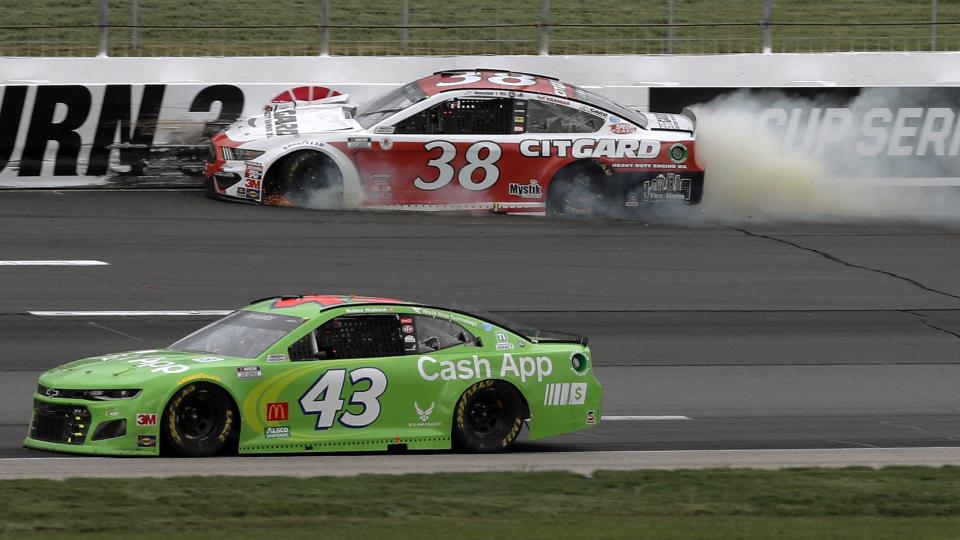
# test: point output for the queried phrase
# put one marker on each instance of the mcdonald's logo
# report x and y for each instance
(278, 411)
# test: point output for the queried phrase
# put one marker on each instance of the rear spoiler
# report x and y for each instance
(548, 336)
(686, 121)
(688, 112)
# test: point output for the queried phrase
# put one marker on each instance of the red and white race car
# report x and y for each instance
(461, 140)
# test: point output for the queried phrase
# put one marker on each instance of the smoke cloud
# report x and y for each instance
(770, 158)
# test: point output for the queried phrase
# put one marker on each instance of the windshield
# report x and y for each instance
(371, 113)
(244, 333)
(601, 102)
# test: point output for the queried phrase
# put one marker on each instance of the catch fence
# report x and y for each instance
(471, 27)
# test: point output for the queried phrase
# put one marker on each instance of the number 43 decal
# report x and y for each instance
(323, 398)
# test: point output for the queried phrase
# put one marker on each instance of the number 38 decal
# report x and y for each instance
(323, 398)
(505, 78)
(445, 172)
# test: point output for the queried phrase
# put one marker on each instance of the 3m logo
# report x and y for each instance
(278, 411)
(565, 394)
(145, 419)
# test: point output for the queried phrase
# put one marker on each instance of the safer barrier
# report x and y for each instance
(102, 121)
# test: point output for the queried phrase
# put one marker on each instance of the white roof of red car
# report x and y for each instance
(488, 80)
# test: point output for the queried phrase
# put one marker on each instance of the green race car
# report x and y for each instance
(322, 374)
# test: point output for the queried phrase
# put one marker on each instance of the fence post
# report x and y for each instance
(933, 25)
(766, 26)
(135, 26)
(545, 27)
(102, 21)
(671, 4)
(406, 22)
(324, 27)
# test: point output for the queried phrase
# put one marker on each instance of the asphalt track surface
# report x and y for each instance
(765, 337)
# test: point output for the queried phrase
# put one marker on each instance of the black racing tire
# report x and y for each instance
(311, 179)
(576, 191)
(199, 421)
(488, 417)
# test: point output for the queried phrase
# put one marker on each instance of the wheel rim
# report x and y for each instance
(486, 415)
(580, 196)
(316, 176)
(196, 418)
(315, 179)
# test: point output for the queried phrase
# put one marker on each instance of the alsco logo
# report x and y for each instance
(278, 411)
(279, 432)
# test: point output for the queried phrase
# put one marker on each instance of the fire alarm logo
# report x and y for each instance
(278, 411)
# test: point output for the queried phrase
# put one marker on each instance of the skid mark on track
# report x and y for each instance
(836, 259)
(118, 332)
(852, 443)
(947, 436)
(926, 322)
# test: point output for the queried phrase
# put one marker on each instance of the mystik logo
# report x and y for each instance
(530, 190)
(424, 415)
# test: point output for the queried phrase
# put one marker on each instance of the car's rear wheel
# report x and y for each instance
(576, 191)
(200, 420)
(313, 180)
(488, 417)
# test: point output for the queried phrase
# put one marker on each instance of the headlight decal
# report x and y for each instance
(88, 395)
(240, 154)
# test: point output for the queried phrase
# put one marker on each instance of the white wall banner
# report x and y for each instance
(145, 121)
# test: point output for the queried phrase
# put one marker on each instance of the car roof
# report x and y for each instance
(542, 83)
(310, 305)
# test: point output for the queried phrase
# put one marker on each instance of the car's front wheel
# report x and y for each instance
(200, 420)
(310, 179)
(488, 417)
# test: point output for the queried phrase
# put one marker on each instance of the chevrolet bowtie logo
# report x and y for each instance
(52, 392)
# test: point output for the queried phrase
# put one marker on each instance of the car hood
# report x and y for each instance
(295, 118)
(121, 370)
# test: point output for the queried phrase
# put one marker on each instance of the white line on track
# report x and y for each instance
(164, 313)
(54, 263)
(643, 418)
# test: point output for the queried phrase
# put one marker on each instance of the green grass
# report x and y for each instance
(496, 37)
(855, 503)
